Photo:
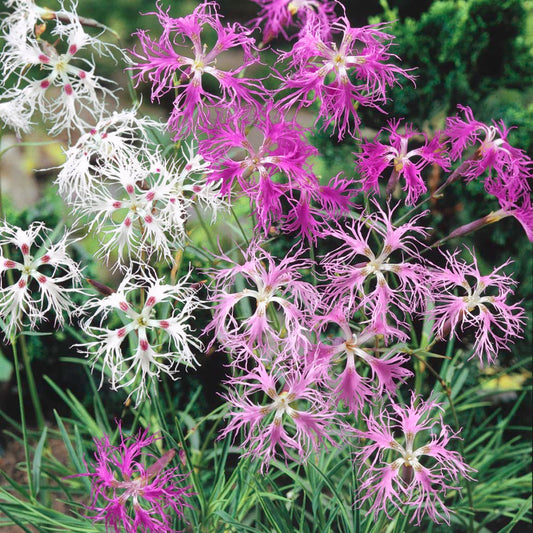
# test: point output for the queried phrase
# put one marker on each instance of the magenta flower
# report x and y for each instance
(265, 157)
(340, 78)
(166, 64)
(276, 16)
(269, 285)
(376, 157)
(347, 353)
(130, 495)
(295, 418)
(509, 168)
(374, 282)
(422, 474)
(465, 299)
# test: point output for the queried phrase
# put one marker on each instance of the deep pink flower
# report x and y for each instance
(356, 72)
(295, 417)
(423, 473)
(465, 299)
(376, 157)
(508, 169)
(348, 352)
(377, 283)
(132, 490)
(166, 64)
(282, 305)
(266, 157)
(276, 16)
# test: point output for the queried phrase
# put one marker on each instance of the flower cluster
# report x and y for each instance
(509, 170)
(316, 347)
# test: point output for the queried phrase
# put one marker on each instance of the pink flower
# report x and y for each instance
(376, 157)
(348, 352)
(276, 16)
(356, 72)
(375, 282)
(166, 64)
(409, 480)
(509, 169)
(282, 305)
(295, 418)
(130, 495)
(465, 299)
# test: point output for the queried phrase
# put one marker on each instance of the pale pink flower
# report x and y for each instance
(424, 470)
(344, 356)
(282, 305)
(380, 283)
(44, 277)
(464, 299)
(294, 421)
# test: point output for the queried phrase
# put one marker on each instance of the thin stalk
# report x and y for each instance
(447, 389)
(23, 421)
(243, 233)
(206, 229)
(31, 382)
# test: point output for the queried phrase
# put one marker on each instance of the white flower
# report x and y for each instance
(43, 277)
(128, 211)
(14, 115)
(139, 206)
(52, 77)
(147, 329)
(121, 135)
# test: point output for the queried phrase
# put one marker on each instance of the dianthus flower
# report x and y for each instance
(44, 277)
(348, 352)
(276, 16)
(276, 175)
(296, 417)
(145, 332)
(167, 66)
(376, 157)
(141, 209)
(132, 488)
(271, 286)
(509, 168)
(340, 78)
(374, 282)
(51, 77)
(122, 135)
(465, 299)
(423, 473)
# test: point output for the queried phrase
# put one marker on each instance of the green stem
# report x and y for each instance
(34, 395)
(243, 233)
(23, 420)
(206, 229)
